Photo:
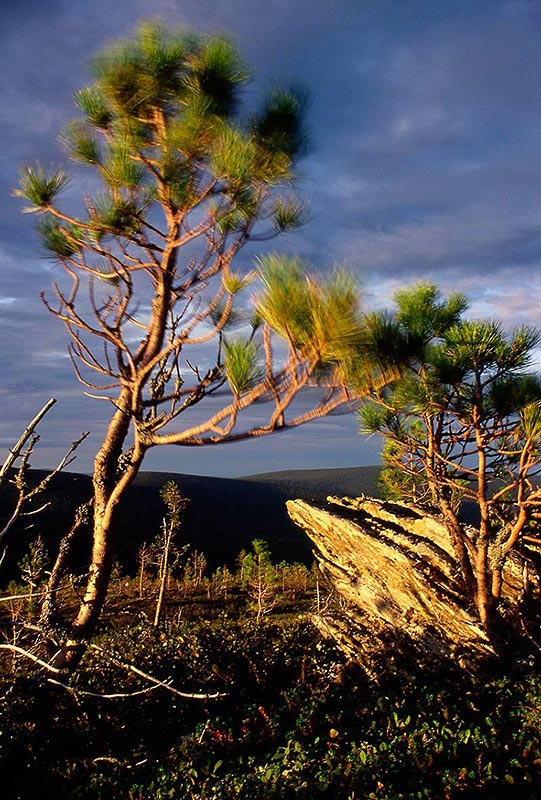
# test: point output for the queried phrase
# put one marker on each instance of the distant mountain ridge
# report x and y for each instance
(224, 515)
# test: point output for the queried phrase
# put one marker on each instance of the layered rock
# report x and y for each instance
(394, 570)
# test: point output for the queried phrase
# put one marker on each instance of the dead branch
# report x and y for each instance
(25, 495)
(113, 696)
(21, 651)
(27, 433)
(156, 682)
(152, 679)
(27, 596)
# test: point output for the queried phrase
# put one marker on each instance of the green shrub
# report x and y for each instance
(295, 721)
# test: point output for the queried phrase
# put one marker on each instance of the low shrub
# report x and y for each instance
(295, 721)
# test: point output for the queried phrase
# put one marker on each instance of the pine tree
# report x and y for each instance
(461, 422)
(150, 297)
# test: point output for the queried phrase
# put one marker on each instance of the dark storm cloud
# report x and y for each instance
(425, 160)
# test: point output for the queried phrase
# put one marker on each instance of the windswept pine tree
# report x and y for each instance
(461, 421)
(151, 291)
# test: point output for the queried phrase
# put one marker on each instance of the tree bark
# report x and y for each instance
(163, 573)
(108, 489)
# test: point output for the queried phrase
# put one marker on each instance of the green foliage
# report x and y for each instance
(175, 502)
(217, 75)
(296, 721)
(288, 214)
(483, 346)
(32, 567)
(93, 105)
(235, 282)
(137, 75)
(242, 364)
(60, 240)
(34, 563)
(411, 334)
(260, 578)
(238, 159)
(39, 186)
(158, 116)
(193, 133)
(530, 421)
(179, 179)
(280, 124)
(115, 215)
(460, 417)
(120, 169)
(285, 303)
(395, 482)
(423, 315)
(81, 142)
(319, 319)
(166, 70)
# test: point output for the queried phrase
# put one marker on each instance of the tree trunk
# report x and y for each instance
(49, 607)
(109, 487)
(441, 498)
(164, 573)
(484, 605)
(462, 555)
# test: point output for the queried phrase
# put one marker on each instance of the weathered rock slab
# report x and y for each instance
(393, 568)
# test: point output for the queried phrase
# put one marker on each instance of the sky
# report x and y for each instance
(425, 165)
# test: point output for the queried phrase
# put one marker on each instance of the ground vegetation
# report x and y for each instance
(224, 703)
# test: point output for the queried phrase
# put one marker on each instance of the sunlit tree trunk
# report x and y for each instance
(109, 487)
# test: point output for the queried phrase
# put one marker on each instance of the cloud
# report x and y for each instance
(425, 163)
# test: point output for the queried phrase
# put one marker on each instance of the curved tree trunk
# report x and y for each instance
(109, 486)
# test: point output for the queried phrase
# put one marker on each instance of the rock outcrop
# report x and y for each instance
(394, 571)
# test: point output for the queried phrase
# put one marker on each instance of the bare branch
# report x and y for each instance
(156, 681)
(113, 696)
(21, 651)
(27, 433)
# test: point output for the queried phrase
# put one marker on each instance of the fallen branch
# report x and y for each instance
(156, 681)
(130, 667)
(112, 696)
(31, 595)
(21, 651)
